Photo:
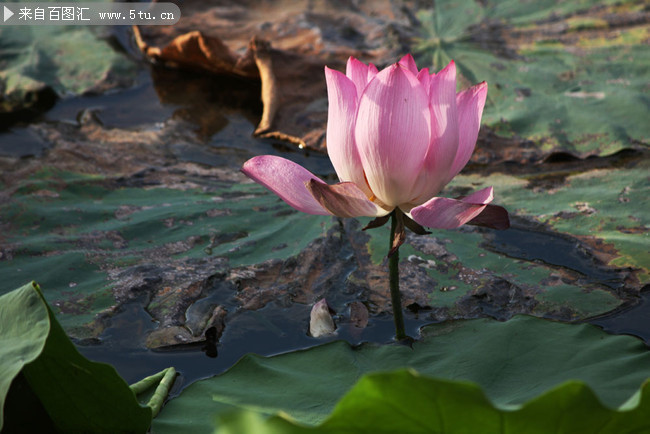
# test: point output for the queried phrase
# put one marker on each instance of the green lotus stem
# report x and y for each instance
(393, 270)
(164, 380)
(146, 383)
(162, 391)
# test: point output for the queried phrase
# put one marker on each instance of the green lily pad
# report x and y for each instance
(606, 209)
(468, 278)
(50, 377)
(404, 401)
(98, 244)
(577, 248)
(84, 236)
(501, 357)
(568, 76)
(67, 59)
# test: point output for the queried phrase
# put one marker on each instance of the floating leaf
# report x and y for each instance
(98, 244)
(465, 274)
(568, 76)
(501, 357)
(92, 242)
(606, 209)
(67, 59)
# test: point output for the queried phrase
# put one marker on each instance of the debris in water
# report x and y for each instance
(320, 321)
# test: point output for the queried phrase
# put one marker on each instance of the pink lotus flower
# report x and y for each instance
(396, 137)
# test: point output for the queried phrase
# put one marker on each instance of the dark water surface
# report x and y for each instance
(633, 320)
(553, 249)
(266, 332)
(271, 331)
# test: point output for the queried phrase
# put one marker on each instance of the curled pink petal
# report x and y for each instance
(481, 197)
(444, 213)
(341, 114)
(470, 109)
(344, 199)
(286, 179)
(392, 133)
(444, 136)
(493, 216)
(409, 63)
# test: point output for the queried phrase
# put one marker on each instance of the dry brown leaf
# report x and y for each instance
(285, 45)
(195, 50)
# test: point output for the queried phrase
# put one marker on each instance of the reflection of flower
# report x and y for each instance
(396, 137)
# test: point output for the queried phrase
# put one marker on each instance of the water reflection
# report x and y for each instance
(206, 100)
(272, 330)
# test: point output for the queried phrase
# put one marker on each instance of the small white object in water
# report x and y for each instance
(320, 321)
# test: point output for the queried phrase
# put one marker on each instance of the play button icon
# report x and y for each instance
(7, 13)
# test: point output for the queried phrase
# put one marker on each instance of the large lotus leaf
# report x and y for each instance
(404, 401)
(82, 233)
(501, 357)
(587, 256)
(604, 208)
(463, 266)
(133, 220)
(68, 59)
(77, 395)
(22, 341)
(569, 76)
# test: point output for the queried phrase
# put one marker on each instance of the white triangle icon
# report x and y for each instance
(8, 13)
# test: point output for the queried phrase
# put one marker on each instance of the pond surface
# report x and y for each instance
(162, 96)
(219, 116)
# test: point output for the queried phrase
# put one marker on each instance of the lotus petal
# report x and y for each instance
(357, 72)
(409, 63)
(493, 216)
(344, 199)
(470, 109)
(286, 179)
(341, 115)
(392, 133)
(444, 213)
(444, 136)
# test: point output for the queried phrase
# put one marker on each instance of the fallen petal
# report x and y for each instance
(286, 179)
(344, 199)
(321, 322)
